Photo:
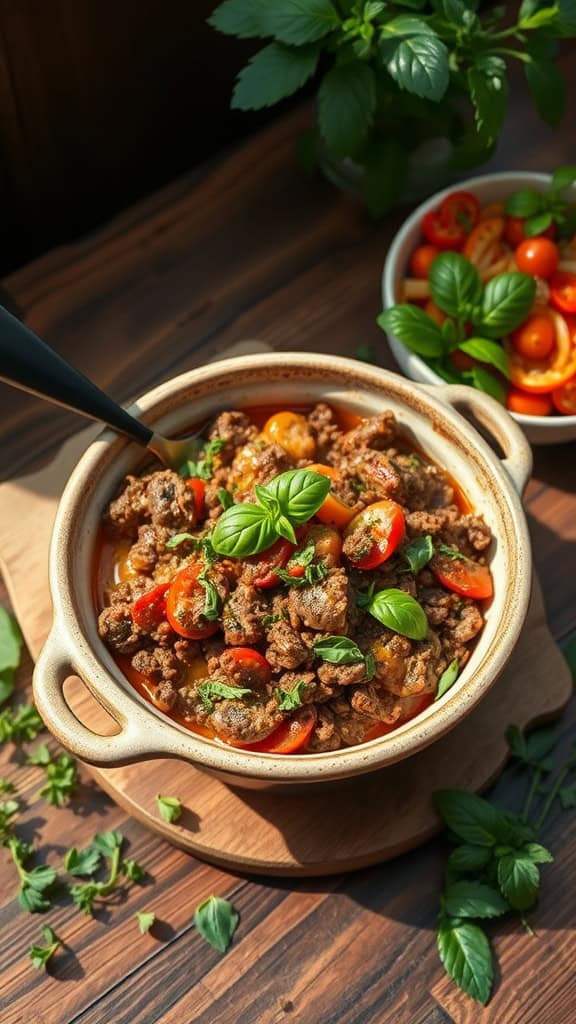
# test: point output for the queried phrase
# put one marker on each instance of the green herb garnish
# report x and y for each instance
(145, 920)
(447, 679)
(216, 920)
(23, 724)
(10, 653)
(290, 700)
(453, 553)
(225, 498)
(169, 807)
(109, 846)
(399, 612)
(41, 955)
(204, 467)
(418, 553)
(541, 209)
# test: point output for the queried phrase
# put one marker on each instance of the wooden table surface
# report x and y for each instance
(249, 248)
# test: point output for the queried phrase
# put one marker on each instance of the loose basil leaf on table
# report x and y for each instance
(508, 298)
(418, 552)
(415, 329)
(338, 650)
(300, 493)
(216, 920)
(487, 351)
(400, 612)
(243, 530)
(455, 284)
(466, 955)
(447, 679)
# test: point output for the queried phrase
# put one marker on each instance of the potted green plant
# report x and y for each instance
(409, 93)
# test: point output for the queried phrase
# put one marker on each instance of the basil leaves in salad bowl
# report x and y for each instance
(477, 314)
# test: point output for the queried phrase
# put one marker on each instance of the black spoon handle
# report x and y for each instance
(29, 363)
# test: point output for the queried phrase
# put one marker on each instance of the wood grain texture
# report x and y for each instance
(252, 249)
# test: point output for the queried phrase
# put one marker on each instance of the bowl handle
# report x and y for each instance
(53, 667)
(499, 424)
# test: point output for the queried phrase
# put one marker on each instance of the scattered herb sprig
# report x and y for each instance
(61, 774)
(109, 846)
(340, 650)
(41, 955)
(313, 570)
(203, 468)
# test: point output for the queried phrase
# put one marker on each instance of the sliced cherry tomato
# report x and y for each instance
(514, 231)
(262, 570)
(483, 241)
(563, 291)
(292, 432)
(198, 488)
(186, 598)
(253, 665)
(536, 337)
(443, 234)
(461, 208)
(539, 376)
(564, 398)
(528, 405)
(149, 610)
(332, 511)
(539, 257)
(435, 312)
(290, 736)
(374, 534)
(463, 576)
(422, 259)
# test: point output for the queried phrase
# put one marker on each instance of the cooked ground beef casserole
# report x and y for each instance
(310, 583)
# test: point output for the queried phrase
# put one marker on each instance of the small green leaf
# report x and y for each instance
(407, 25)
(338, 650)
(272, 74)
(418, 64)
(211, 691)
(107, 843)
(470, 817)
(474, 899)
(299, 492)
(180, 538)
(133, 870)
(242, 530)
(169, 807)
(225, 498)
(487, 351)
(145, 920)
(296, 22)
(539, 18)
(415, 329)
(562, 178)
(537, 225)
(290, 700)
(346, 105)
(567, 796)
(468, 858)
(525, 203)
(216, 919)
(418, 553)
(243, 18)
(447, 679)
(465, 953)
(508, 298)
(538, 854)
(454, 284)
(519, 879)
(487, 382)
(400, 612)
(10, 641)
(39, 756)
(82, 862)
(41, 955)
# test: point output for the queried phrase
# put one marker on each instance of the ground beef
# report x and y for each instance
(377, 432)
(326, 430)
(236, 429)
(171, 503)
(149, 548)
(423, 487)
(377, 476)
(158, 665)
(117, 629)
(232, 720)
(243, 615)
(341, 675)
(125, 513)
(375, 702)
(286, 648)
(256, 463)
(322, 605)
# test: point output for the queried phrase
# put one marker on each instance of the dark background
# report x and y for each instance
(101, 102)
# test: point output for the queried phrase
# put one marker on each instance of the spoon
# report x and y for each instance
(28, 363)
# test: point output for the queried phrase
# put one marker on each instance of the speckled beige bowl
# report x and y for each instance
(74, 646)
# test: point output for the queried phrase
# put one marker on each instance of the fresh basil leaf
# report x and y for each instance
(474, 899)
(516, 743)
(300, 493)
(211, 691)
(211, 610)
(169, 808)
(562, 178)
(489, 92)
(487, 351)
(338, 650)
(267, 500)
(216, 920)
(346, 106)
(419, 64)
(468, 858)
(508, 298)
(415, 329)
(145, 920)
(487, 382)
(399, 612)
(452, 553)
(447, 679)
(180, 538)
(470, 817)
(243, 18)
(465, 953)
(296, 22)
(290, 700)
(538, 854)
(370, 666)
(525, 203)
(285, 529)
(519, 880)
(455, 284)
(10, 641)
(273, 73)
(538, 224)
(244, 529)
(547, 89)
(372, 9)
(418, 553)
(304, 556)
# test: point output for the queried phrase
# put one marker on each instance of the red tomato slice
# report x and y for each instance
(463, 576)
(291, 736)
(528, 405)
(422, 259)
(261, 570)
(461, 208)
(563, 291)
(382, 526)
(332, 512)
(483, 239)
(539, 376)
(564, 398)
(198, 487)
(443, 234)
(185, 602)
(251, 662)
(514, 231)
(149, 610)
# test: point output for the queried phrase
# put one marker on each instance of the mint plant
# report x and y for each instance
(391, 76)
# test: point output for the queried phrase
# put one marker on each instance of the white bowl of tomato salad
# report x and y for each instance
(539, 388)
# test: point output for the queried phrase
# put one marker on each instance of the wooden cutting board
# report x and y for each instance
(313, 832)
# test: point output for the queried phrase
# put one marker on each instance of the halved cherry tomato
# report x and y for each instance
(514, 231)
(443, 234)
(536, 337)
(198, 488)
(563, 291)
(528, 405)
(463, 576)
(332, 511)
(541, 375)
(483, 241)
(261, 570)
(253, 665)
(380, 529)
(149, 610)
(422, 259)
(292, 432)
(290, 736)
(185, 602)
(539, 257)
(434, 311)
(564, 398)
(461, 208)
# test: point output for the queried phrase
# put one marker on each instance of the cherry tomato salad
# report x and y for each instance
(490, 299)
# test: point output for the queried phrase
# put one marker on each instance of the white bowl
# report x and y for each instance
(489, 188)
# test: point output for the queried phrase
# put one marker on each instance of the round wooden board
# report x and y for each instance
(345, 826)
